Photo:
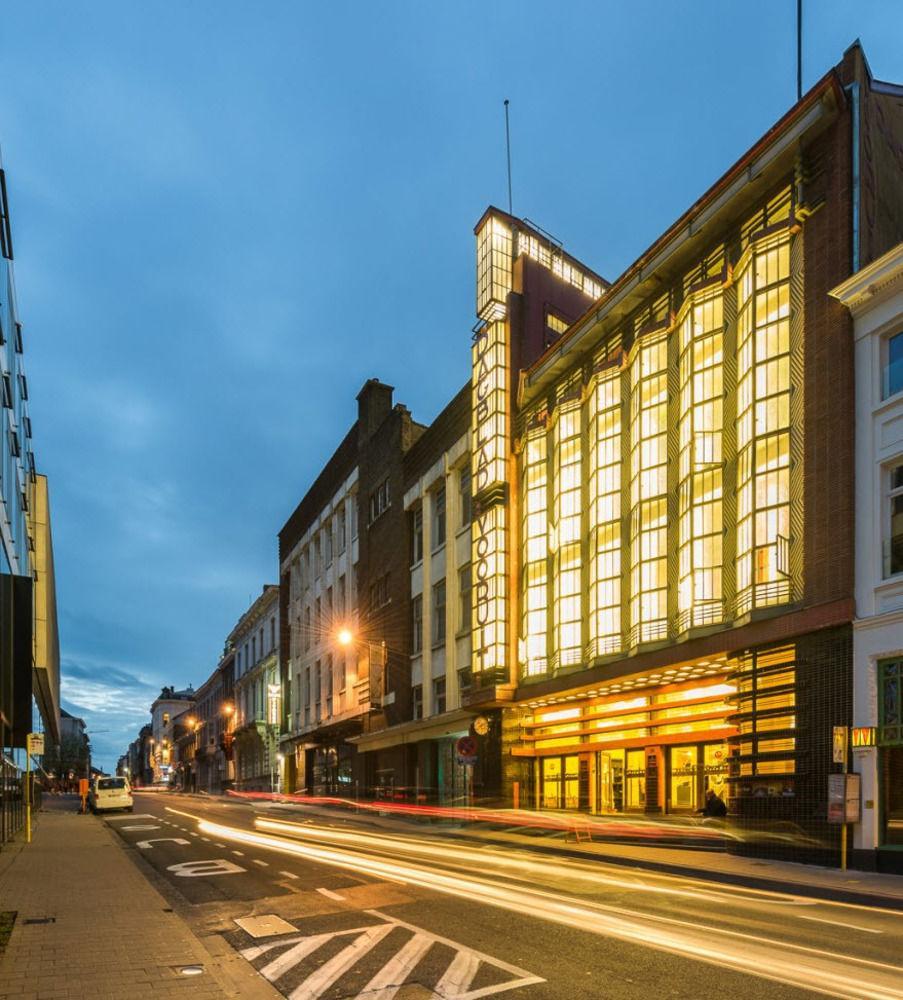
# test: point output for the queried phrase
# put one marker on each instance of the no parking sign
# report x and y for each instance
(466, 750)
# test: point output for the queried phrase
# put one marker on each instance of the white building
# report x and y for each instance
(323, 691)
(255, 640)
(874, 296)
(164, 710)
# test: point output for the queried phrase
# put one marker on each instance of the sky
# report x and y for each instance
(227, 216)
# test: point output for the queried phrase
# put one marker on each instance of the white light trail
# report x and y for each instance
(812, 969)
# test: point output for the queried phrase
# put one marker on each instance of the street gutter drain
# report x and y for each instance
(39, 920)
(190, 970)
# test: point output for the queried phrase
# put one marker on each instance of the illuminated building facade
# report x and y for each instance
(874, 297)
(663, 553)
(257, 694)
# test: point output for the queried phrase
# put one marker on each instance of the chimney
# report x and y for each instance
(374, 404)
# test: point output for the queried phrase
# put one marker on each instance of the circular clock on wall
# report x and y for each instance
(481, 725)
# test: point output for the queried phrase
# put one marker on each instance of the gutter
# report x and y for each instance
(853, 90)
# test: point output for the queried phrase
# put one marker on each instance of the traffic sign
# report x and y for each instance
(466, 750)
(36, 744)
(839, 742)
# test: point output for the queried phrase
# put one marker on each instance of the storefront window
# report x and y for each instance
(572, 782)
(551, 782)
(636, 779)
(683, 778)
(715, 765)
(892, 779)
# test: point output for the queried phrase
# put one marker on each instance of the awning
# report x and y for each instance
(451, 724)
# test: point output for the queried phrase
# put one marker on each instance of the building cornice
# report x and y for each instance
(874, 283)
(771, 154)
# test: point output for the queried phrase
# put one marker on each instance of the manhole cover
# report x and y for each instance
(265, 926)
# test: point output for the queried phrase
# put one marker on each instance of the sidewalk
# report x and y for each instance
(112, 935)
(714, 865)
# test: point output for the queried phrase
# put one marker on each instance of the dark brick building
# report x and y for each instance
(344, 604)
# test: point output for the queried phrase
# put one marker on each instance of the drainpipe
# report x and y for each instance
(853, 90)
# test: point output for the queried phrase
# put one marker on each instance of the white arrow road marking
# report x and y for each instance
(318, 982)
(141, 826)
(195, 869)
(145, 845)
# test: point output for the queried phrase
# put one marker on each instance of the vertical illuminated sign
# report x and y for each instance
(490, 448)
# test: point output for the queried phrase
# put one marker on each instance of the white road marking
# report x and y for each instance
(328, 892)
(146, 845)
(386, 983)
(218, 844)
(239, 854)
(110, 819)
(839, 923)
(453, 984)
(196, 869)
(289, 874)
(319, 982)
(192, 834)
(206, 839)
(142, 826)
(263, 864)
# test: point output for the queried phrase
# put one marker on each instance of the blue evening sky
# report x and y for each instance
(228, 215)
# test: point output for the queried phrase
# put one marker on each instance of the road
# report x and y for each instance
(376, 914)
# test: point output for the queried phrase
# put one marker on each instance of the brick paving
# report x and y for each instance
(112, 937)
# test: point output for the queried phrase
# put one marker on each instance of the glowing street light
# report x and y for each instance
(345, 637)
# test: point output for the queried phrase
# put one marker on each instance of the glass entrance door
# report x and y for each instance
(610, 782)
(683, 779)
(551, 782)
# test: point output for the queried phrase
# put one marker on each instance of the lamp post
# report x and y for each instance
(376, 663)
(228, 711)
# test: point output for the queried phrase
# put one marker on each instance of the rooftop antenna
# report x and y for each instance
(799, 50)
(508, 147)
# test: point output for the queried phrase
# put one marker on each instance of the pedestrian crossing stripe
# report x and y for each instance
(454, 983)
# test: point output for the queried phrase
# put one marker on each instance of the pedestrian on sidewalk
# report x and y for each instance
(714, 805)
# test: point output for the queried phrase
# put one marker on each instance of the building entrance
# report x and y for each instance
(694, 769)
(565, 782)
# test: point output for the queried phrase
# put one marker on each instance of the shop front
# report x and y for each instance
(890, 765)
(653, 744)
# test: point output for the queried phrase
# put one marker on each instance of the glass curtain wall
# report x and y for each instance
(605, 514)
(568, 488)
(649, 490)
(699, 596)
(763, 424)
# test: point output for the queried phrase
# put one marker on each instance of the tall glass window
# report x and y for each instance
(648, 491)
(567, 485)
(605, 514)
(699, 595)
(763, 425)
(535, 553)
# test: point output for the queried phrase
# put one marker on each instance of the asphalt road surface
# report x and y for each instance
(342, 908)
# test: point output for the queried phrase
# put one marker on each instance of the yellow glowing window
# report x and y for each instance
(699, 594)
(535, 549)
(763, 425)
(605, 515)
(648, 490)
(493, 268)
(775, 766)
(567, 491)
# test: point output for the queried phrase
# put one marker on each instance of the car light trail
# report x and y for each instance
(476, 861)
(812, 969)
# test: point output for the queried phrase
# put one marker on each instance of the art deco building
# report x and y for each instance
(663, 497)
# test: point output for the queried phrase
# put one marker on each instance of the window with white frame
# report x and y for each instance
(464, 598)
(438, 695)
(893, 365)
(417, 700)
(417, 536)
(894, 539)
(439, 613)
(438, 517)
(341, 531)
(465, 495)
(417, 621)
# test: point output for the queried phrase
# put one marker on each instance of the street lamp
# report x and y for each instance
(376, 662)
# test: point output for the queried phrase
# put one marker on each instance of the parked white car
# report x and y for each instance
(110, 793)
